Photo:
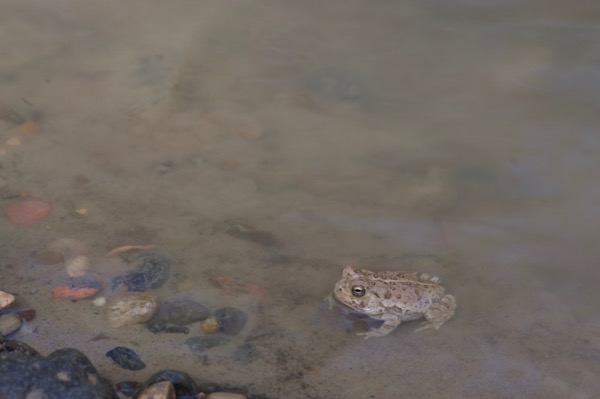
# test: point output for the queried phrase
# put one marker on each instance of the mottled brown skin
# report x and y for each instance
(394, 297)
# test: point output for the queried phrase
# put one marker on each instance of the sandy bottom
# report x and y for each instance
(271, 144)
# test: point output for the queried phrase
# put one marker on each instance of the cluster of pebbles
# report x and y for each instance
(69, 374)
(11, 319)
(131, 300)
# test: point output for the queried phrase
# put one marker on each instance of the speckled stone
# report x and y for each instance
(186, 311)
(132, 308)
(65, 373)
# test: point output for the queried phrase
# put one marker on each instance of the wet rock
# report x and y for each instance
(152, 272)
(210, 325)
(126, 358)
(182, 382)
(66, 374)
(177, 330)
(9, 323)
(185, 311)
(126, 389)
(6, 299)
(9, 346)
(78, 288)
(132, 308)
(26, 314)
(46, 258)
(77, 266)
(204, 342)
(160, 390)
(232, 320)
(156, 326)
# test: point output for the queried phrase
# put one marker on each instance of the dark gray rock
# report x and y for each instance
(64, 374)
(232, 320)
(126, 358)
(152, 272)
(185, 311)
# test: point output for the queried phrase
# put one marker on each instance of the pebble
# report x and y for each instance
(77, 266)
(100, 301)
(225, 395)
(132, 308)
(6, 299)
(204, 342)
(177, 330)
(26, 314)
(78, 288)
(27, 212)
(160, 390)
(9, 323)
(47, 258)
(151, 273)
(182, 382)
(156, 326)
(232, 320)
(210, 325)
(185, 311)
(126, 389)
(126, 358)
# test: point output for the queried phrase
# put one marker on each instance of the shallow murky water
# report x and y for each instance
(272, 143)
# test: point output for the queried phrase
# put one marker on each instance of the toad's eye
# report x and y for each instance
(358, 290)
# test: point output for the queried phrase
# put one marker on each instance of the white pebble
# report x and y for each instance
(77, 266)
(100, 301)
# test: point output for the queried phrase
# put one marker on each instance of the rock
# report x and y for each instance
(66, 374)
(160, 390)
(27, 212)
(182, 382)
(225, 395)
(77, 266)
(204, 342)
(9, 346)
(151, 273)
(99, 302)
(47, 258)
(132, 308)
(232, 320)
(210, 325)
(6, 299)
(126, 358)
(185, 311)
(126, 389)
(9, 323)
(26, 314)
(78, 288)
(177, 330)
(156, 326)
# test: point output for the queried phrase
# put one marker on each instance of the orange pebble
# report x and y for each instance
(30, 127)
(27, 212)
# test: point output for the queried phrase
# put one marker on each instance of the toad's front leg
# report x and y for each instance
(390, 322)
